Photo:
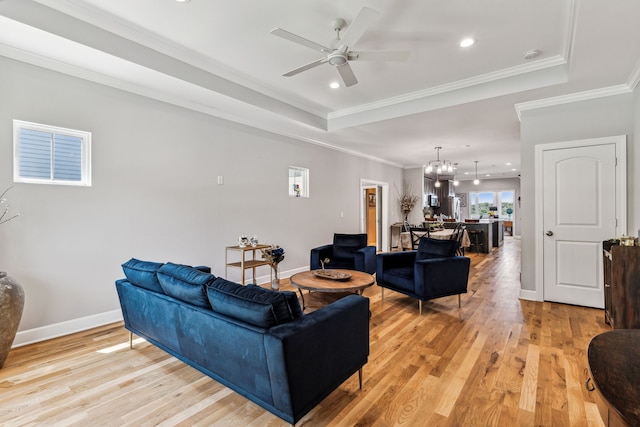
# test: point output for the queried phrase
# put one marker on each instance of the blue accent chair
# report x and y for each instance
(431, 271)
(348, 251)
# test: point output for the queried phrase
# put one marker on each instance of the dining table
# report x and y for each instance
(405, 237)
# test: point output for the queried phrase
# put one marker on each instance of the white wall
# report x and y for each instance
(155, 195)
(613, 115)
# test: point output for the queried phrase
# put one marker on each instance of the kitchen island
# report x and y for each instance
(492, 232)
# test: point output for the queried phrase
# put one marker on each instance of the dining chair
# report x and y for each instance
(416, 234)
(455, 232)
(461, 231)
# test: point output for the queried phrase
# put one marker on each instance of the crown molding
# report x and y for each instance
(572, 97)
(634, 77)
(570, 26)
(109, 22)
(227, 109)
(450, 87)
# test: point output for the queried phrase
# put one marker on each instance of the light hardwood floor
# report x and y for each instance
(497, 361)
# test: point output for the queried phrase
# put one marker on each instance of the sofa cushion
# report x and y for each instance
(185, 283)
(345, 245)
(435, 248)
(252, 304)
(143, 274)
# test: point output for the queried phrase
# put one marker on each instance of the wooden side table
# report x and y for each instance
(244, 263)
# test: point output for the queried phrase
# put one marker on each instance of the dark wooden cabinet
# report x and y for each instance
(621, 265)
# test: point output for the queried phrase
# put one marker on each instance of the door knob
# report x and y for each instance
(549, 233)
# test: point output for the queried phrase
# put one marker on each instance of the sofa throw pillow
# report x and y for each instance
(185, 283)
(251, 304)
(143, 274)
(435, 248)
(295, 310)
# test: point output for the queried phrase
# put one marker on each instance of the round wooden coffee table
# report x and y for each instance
(324, 291)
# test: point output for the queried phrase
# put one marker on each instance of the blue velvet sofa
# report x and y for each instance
(253, 340)
(432, 271)
(348, 251)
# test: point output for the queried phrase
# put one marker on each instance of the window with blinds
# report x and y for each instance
(50, 155)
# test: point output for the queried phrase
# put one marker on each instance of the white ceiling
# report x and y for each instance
(219, 57)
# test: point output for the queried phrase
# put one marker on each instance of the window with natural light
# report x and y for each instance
(298, 182)
(44, 154)
(484, 202)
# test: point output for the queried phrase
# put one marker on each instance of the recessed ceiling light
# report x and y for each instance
(514, 169)
(334, 85)
(530, 54)
(467, 42)
(183, 1)
(508, 163)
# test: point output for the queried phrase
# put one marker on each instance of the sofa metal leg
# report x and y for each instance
(131, 340)
(420, 306)
(459, 304)
(360, 378)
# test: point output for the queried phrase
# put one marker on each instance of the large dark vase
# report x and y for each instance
(11, 305)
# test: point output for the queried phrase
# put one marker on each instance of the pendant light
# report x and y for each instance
(476, 181)
(455, 181)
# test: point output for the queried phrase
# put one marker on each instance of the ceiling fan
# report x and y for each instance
(340, 55)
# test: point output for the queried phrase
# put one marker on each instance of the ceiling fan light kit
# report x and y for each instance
(340, 56)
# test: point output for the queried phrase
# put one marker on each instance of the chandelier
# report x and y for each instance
(438, 165)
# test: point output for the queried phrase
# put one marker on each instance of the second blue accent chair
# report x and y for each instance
(432, 271)
(348, 251)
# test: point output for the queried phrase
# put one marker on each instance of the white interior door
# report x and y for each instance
(579, 212)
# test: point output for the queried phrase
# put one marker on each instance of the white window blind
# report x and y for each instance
(51, 155)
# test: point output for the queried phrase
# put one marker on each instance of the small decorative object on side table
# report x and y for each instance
(273, 255)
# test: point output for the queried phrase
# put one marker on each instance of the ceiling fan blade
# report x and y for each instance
(379, 55)
(305, 67)
(360, 24)
(347, 75)
(299, 40)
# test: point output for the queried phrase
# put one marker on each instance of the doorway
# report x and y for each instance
(580, 202)
(374, 208)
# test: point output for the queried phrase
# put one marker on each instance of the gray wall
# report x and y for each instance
(415, 178)
(155, 194)
(609, 116)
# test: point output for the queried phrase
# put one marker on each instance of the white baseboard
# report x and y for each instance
(43, 333)
(283, 274)
(528, 295)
